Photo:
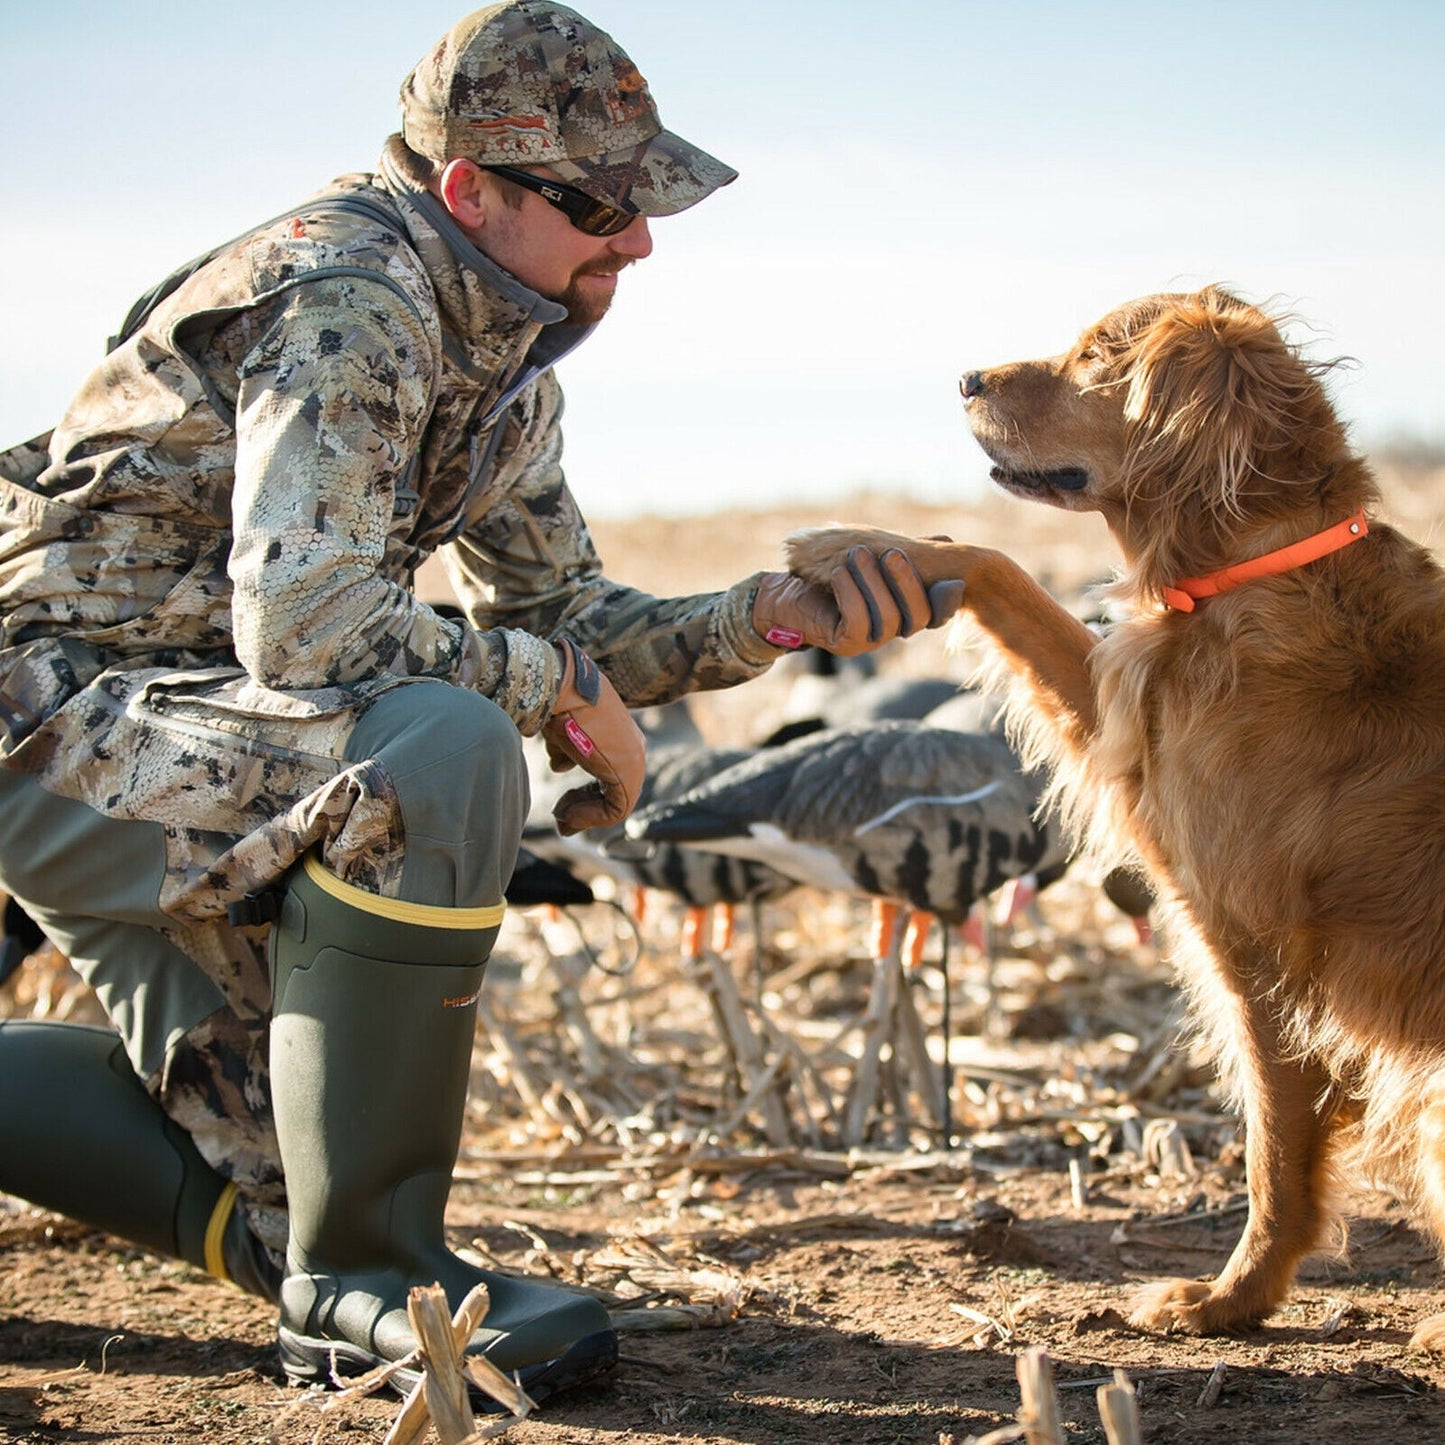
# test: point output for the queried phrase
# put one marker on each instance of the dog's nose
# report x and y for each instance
(971, 384)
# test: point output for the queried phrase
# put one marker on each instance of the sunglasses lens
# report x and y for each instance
(600, 219)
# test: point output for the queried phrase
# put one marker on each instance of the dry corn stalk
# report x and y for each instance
(441, 1396)
(1119, 1410)
(1040, 1413)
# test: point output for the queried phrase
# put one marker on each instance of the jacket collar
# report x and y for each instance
(498, 331)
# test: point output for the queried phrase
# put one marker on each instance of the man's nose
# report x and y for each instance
(635, 241)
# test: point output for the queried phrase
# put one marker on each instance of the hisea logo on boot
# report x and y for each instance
(466, 1002)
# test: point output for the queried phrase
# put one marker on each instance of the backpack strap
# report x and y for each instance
(138, 314)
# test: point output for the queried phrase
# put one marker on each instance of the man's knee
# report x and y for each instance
(455, 760)
(430, 727)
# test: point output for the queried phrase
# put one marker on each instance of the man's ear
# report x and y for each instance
(464, 192)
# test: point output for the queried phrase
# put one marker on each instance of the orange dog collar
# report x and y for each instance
(1182, 596)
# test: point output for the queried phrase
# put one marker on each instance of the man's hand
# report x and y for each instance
(591, 727)
(874, 600)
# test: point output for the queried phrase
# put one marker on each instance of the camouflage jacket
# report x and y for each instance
(253, 477)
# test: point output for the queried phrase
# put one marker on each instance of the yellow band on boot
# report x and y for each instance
(428, 915)
(216, 1233)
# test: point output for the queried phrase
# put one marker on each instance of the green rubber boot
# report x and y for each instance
(371, 1046)
(80, 1135)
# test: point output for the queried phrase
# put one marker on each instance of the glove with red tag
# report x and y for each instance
(874, 600)
(590, 726)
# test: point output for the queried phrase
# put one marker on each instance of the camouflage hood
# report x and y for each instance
(492, 318)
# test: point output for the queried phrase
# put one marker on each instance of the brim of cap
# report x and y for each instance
(660, 178)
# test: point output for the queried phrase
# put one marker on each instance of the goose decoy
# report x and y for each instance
(697, 879)
(888, 699)
(20, 937)
(814, 680)
(1133, 895)
(1126, 888)
(897, 811)
(702, 882)
(538, 882)
(968, 711)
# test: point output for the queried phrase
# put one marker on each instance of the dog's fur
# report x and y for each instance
(1276, 757)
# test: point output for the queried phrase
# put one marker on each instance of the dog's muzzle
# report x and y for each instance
(1064, 479)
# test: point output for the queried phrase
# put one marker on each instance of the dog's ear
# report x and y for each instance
(1217, 403)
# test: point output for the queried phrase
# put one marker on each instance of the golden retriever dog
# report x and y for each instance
(1264, 728)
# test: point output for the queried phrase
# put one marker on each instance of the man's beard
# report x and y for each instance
(586, 307)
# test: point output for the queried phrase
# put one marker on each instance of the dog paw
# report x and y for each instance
(815, 552)
(1189, 1306)
(1429, 1336)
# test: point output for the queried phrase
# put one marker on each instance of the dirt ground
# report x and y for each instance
(829, 1296)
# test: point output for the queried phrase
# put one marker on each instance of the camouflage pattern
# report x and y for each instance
(205, 578)
(532, 84)
(216, 1083)
(220, 543)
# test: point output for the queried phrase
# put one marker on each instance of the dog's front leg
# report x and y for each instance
(1041, 642)
(1290, 1114)
(1429, 1132)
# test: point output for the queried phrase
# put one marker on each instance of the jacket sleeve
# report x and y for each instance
(333, 400)
(527, 560)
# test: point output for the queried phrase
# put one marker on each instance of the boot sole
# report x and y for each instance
(310, 1361)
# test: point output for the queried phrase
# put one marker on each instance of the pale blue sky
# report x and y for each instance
(925, 188)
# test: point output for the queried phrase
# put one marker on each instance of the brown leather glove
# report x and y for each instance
(590, 726)
(873, 601)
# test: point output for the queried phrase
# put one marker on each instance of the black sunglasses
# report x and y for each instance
(594, 217)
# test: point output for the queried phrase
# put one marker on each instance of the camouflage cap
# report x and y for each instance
(530, 83)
